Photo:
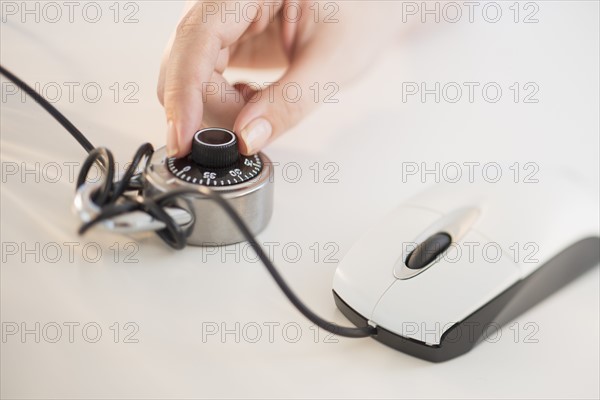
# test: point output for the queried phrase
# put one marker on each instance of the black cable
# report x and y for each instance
(145, 150)
(105, 157)
(86, 144)
(173, 234)
(354, 332)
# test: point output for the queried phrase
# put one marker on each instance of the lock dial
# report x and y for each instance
(215, 161)
(245, 182)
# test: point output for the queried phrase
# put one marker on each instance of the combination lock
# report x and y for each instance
(246, 182)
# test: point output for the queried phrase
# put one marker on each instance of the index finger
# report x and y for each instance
(200, 37)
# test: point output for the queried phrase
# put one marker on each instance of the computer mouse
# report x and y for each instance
(462, 259)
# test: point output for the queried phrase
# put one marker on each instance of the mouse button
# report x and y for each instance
(462, 281)
(366, 270)
(534, 222)
(454, 224)
(446, 198)
(428, 250)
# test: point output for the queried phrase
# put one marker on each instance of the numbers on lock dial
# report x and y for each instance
(245, 169)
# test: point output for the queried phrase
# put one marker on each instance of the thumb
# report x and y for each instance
(277, 107)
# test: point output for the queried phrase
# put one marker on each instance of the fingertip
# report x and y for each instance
(184, 143)
(172, 141)
(185, 110)
(255, 135)
(243, 148)
(178, 139)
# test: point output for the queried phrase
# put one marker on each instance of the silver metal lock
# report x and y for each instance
(246, 182)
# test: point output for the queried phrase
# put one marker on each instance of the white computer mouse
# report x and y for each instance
(461, 259)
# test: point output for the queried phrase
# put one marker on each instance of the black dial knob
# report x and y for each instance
(215, 161)
(215, 148)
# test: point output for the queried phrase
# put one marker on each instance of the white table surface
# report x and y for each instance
(171, 296)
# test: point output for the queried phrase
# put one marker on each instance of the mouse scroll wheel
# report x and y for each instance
(428, 250)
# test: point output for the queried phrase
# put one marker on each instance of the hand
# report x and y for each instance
(315, 41)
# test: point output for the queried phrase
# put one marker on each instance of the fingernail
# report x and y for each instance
(256, 134)
(172, 142)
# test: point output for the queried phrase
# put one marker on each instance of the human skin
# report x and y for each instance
(313, 42)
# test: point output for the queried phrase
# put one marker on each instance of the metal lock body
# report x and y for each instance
(245, 182)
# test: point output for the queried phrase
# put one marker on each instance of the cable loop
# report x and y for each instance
(113, 201)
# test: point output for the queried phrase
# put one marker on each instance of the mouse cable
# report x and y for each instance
(173, 234)
(76, 133)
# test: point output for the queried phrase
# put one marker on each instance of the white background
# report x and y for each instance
(173, 296)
